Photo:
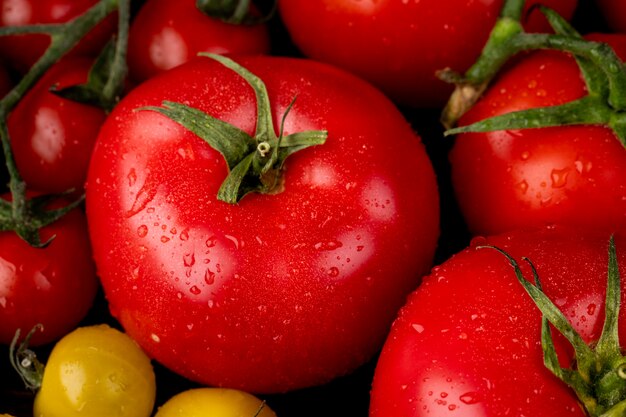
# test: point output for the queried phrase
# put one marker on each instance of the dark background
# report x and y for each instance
(345, 396)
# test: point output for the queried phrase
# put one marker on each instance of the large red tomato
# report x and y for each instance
(399, 45)
(21, 51)
(54, 286)
(468, 342)
(278, 291)
(51, 136)
(574, 175)
(167, 33)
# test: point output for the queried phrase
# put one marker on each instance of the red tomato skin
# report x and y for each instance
(513, 179)
(279, 291)
(22, 51)
(54, 286)
(165, 34)
(614, 12)
(399, 45)
(52, 137)
(467, 343)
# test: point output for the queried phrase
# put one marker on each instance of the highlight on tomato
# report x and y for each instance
(257, 223)
(214, 402)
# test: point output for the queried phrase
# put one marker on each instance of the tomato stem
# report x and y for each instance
(603, 72)
(236, 12)
(599, 376)
(27, 217)
(24, 360)
(255, 162)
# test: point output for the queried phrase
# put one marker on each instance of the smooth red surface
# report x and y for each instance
(52, 137)
(167, 33)
(279, 291)
(399, 45)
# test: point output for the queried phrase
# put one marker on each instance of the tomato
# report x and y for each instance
(279, 291)
(399, 45)
(573, 175)
(6, 83)
(214, 402)
(614, 11)
(467, 343)
(21, 51)
(96, 371)
(54, 286)
(165, 34)
(52, 137)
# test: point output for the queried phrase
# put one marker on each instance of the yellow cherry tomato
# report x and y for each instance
(214, 402)
(96, 371)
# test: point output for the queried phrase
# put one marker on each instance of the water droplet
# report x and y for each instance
(132, 177)
(195, 290)
(591, 309)
(144, 196)
(189, 259)
(142, 230)
(184, 235)
(417, 327)
(469, 398)
(165, 239)
(333, 271)
(522, 186)
(211, 242)
(209, 277)
(559, 177)
(443, 394)
(331, 245)
(360, 248)
(525, 155)
(452, 407)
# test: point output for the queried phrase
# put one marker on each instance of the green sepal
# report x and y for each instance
(255, 162)
(24, 360)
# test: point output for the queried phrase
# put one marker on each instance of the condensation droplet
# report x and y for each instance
(195, 290)
(333, 271)
(525, 155)
(591, 309)
(559, 177)
(209, 277)
(331, 245)
(184, 235)
(189, 259)
(469, 398)
(522, 186)
(132, 177)
(142, 230)
(165, 239)
(417, 327)
(211, 242)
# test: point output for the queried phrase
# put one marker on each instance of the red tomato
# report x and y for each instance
(167, 33)
(509, 179)
(400, 44)
(22, 51)
(54, 286)
(278, 291)
(52, 137)
(468, 343)
(614, 12)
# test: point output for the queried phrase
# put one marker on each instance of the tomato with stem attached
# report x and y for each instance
(470, 341)
(235, 267)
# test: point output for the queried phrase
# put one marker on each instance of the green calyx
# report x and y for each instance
(255, 162)
(236, 12)
(603, 72)
(599, 374)
(25, 361)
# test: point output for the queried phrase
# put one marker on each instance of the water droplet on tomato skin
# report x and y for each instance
(195, 290)
(591, 309)
(142, 230)
(209, 277)
(469, 398)
(189, 259)
(333, 271)
(559, 177)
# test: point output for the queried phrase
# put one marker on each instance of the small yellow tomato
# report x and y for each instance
(96, 371)
(214, 402)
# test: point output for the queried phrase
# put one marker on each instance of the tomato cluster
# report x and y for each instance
(312, 208)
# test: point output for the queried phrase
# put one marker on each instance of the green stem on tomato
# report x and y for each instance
(27, 217)
(599, 374)
(255, 162)
(235, 12)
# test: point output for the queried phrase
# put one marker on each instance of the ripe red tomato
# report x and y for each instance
(54, 286)
(400, 44)
(52, 137)
(278, 291)
(21, 51)
(167, 33)
(510, 179)
(614, 12)
(468, 341)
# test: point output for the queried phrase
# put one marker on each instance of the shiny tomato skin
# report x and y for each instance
(22, 51)
(54, 286)
(573, 175)
(279, 291)
(167, 33)
(399, 45)
(52, 137)
(467, 343)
